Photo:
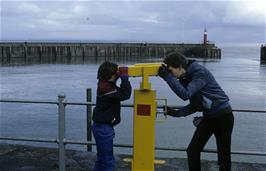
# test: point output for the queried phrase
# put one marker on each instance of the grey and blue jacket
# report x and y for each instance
(199, 87)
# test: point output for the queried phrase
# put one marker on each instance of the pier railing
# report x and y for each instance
(62, 141)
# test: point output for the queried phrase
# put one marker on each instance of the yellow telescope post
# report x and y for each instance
(145, 107)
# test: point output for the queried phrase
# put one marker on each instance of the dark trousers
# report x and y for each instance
(222, 128)
(104, 135)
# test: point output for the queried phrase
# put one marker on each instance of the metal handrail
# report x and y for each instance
(68, 141)
(123, 104)
(28, 101)
(44, 140)
(61, 141)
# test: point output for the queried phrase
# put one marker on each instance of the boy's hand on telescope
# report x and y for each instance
(163, 72)
(170, 111)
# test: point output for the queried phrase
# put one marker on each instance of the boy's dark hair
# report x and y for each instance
(176, 60)
(106, 70)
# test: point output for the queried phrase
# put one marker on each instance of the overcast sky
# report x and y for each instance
(135, 21)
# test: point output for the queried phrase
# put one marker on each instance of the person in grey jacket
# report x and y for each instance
(192, 81)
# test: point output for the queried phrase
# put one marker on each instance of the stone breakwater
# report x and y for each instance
(28, 158)
(21, 53)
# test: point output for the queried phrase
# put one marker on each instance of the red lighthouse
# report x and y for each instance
(205, 39)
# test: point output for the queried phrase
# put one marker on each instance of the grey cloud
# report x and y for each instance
(127, 20)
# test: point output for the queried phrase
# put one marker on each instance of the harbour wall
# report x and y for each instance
(13, 53)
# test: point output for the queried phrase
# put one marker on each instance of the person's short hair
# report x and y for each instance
(176, 60)
(106, 71)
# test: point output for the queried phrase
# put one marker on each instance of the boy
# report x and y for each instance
(106, 114)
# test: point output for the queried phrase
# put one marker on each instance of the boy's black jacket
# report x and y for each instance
(109, 96)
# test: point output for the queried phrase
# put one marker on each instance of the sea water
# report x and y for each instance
(239, 73)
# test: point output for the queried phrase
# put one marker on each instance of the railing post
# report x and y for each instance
(61, 132)
(89, 111)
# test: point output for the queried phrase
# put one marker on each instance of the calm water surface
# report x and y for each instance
(239, 73)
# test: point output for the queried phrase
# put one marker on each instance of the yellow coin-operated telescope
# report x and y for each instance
(145, 108)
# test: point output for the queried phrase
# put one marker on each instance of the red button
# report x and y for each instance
(144, 110)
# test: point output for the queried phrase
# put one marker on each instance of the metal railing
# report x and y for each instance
(62, 141)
